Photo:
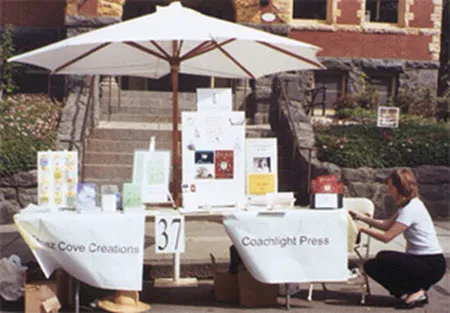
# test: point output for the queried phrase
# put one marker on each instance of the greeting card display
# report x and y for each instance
(151, 170)
(326, 192)
(131, 196)
(213, 159)
(262, 166)
(87, 196)
(57, 179)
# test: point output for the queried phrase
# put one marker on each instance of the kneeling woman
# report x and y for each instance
(408, 275)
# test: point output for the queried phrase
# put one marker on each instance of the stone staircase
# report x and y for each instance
(129, 123)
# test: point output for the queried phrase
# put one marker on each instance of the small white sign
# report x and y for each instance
(214, 99)
(388, 117)
(169, 234)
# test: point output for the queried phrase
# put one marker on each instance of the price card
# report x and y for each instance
(169, 234)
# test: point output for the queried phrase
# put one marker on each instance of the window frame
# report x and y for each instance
(393, 85)
(401, 9)
(328, 15)
(344, 76)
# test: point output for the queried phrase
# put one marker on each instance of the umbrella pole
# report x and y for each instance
(174, 68)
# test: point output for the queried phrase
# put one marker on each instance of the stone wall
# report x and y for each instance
(16, 192)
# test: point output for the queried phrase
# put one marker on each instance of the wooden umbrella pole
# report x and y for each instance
(174, 68)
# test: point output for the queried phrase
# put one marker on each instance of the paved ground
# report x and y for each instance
(203, 238)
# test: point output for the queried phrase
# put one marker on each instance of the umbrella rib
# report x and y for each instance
(233, 59)
(194, 50)
(160, 49)
(201, 49)
(81, 57)
(147, 50)
(296, 56)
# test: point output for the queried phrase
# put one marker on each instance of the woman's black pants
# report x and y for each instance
(402, 273)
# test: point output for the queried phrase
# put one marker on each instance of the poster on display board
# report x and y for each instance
(213, 159)
(151, 170)
(261, 166)
(214, 99)
(57, 179)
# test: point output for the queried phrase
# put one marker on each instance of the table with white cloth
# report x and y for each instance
(291, 246)
(104, 250)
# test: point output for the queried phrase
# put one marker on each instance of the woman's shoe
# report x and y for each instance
(416, 303)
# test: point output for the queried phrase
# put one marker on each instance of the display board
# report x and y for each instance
(57, 179)
(151, 170)
(261, 166)
(213, 158)
(214, 99)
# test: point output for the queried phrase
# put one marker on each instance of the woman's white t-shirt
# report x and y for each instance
(420, 235)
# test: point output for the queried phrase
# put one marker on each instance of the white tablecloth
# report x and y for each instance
(291, 246)
(104, 250)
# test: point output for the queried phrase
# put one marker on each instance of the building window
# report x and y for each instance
(335, 86)
(384, 84)
(382, 11)
(310, 9)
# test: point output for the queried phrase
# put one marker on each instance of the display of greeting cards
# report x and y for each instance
(213, 158)
(131, 196)
(262, 166)
(57, 179)
(151, 170)
(87, 196)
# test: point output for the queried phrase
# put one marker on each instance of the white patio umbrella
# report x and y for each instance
(174, 40)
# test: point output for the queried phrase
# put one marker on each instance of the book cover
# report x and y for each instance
(224, 164)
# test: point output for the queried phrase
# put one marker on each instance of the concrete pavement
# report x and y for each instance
(203, 238)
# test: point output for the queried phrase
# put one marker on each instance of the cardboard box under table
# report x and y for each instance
(254, 293)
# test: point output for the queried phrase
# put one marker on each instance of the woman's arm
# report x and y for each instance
(380, 224)
(395, 230)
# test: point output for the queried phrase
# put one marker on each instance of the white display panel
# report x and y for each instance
(214, 99)
(151, 170)
(261, 166)
(213, 159)
(57, 179)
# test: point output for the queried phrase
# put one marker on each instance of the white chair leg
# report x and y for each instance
(311, 287)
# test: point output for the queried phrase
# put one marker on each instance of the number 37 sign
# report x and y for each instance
(169, 234)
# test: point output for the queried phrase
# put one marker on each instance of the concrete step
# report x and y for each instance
(131, 134)
(145, 103)
(101, 145)
(144, 109)
(137, 117)
(108, 157)
(112, 172)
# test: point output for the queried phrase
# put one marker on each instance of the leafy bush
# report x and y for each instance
(28, 124)
(417, 141)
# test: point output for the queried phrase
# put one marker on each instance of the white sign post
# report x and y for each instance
(169, 239)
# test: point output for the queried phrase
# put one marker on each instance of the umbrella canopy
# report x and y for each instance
(174, 40)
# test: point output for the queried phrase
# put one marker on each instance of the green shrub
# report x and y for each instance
(28, 124)
(411, 144)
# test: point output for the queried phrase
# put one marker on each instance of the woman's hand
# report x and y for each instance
(355, 215)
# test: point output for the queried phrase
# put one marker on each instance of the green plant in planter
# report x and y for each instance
(28, 124)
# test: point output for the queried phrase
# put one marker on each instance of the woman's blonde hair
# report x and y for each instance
(406, 184)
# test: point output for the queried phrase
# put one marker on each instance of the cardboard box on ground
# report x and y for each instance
(242, 288)
(47, 295)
